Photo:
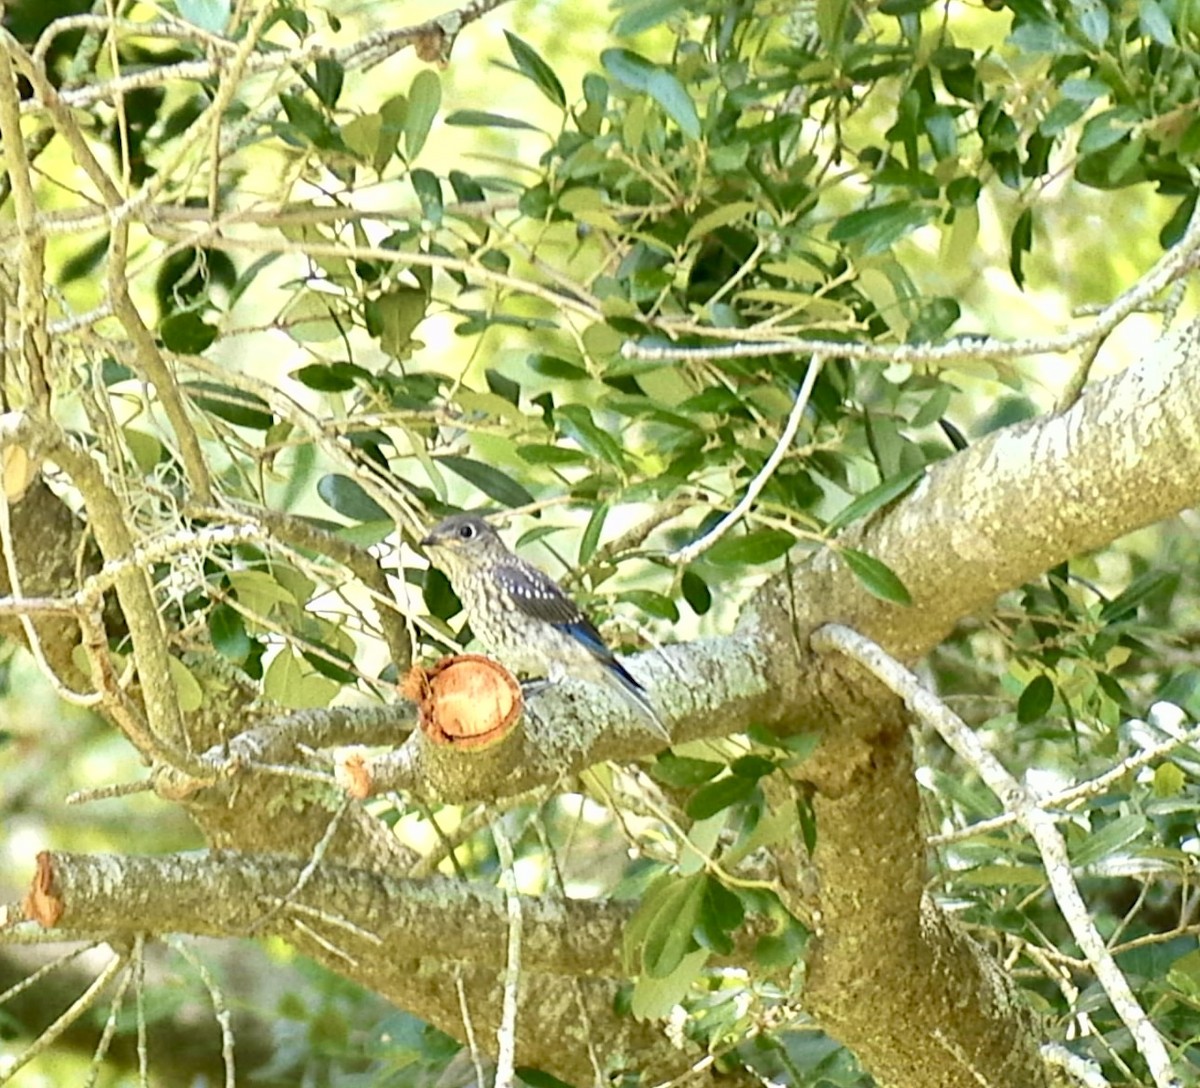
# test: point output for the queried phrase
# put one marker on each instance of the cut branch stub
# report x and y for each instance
(42, 902)
(468, 701)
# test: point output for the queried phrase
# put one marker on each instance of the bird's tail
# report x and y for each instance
(620, 679)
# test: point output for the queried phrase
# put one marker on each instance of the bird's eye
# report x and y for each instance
(466, 532)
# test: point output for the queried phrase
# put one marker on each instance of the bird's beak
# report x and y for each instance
(429, 542)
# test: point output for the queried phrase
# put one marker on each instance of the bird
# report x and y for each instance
(522, 615)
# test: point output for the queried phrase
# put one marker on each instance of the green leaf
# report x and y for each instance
(551, 366)
(308, 121)
(720, 216)
(187, 333)
(1111, 839)
(876, 577)
(393, 116)
(782, 950)
(362, 136)
(654, 899)
(831, 24)
(753, 767)
(491, 481)
(438, 594)
(878, 229)
(1061, 116)
(486, 119)
(800, 745)
(669, 936)
(654, 998)
(591, 534)
(745, 549)
(696, 592)
(210, 15)
(227, 632)
(424, 101)
(503, 386)
(1169, 781)
(536, 69)
(576, 422)
(1036, 699)
(1184, 975)
(1155, 23)
(1111, 687)
(188, 692)
(1126, 603)
(963, 192)
(147, 451)
(289, 683)
(429, 192)
(637, 72)
(1107, 128)
(232, 405)
(684, 772)
(721, 912)
(718, 795)
(1020, 243)
(393, 317)
(537, 454)
(933, 320)
(870, 501)
(1094, 20)
(326, 80)
(330, 377)
(652, 603)
(466, 188)
(348, 498)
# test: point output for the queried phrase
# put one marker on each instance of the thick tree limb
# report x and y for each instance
(366, 914)
(1039, 823)
(354, 921)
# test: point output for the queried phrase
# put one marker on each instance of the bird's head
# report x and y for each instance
(455, 542)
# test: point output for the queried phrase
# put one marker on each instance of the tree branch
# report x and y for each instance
(1031, 816)
(368, 914)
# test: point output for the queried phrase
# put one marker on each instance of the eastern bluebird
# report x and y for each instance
(523, 616)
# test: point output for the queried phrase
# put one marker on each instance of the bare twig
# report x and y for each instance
(697, 548)
(220, 1009)
(106, 793)
(1071, 798)
(80, 1006)
(310, 867)
(469, 1028)
(507, 1034)
(110, 1025)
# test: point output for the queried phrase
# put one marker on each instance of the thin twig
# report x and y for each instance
(1071, 798)
(80, 1006)
(110, 1025)
(220, 1009)
(143, 1049)
(45, 969)
(697, 548)
(1083, 1071)
(469, 1028)
(107, 793)
(507, 1034)
(309, 869)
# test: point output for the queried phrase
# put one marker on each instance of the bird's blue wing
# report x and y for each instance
(537, 595)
